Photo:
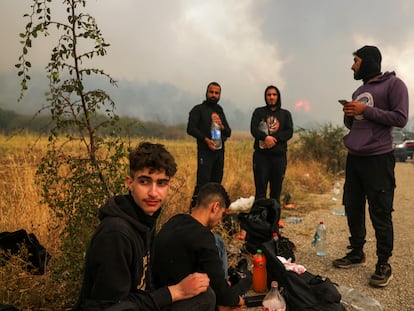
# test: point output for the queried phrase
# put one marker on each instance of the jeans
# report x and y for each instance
(222, 251)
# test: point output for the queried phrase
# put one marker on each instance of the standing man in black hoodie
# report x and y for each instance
(210, 155)
(118, 257)
(271, 127)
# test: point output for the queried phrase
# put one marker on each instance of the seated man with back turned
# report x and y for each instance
(185, 244)
(118, 257)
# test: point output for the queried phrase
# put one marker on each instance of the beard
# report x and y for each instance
(367, 70)
(272, 105)
(357, 75)
(212, 100)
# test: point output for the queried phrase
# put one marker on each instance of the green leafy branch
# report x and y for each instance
(82, 167)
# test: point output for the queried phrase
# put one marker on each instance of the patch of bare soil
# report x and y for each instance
(399, 294)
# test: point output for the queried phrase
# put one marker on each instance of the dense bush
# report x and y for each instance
(324, 145)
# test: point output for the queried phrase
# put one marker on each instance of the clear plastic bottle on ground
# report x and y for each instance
(319, 239)
(336, 191)
(274, 301)
(338, 209)
(357, 300)
(216, 134)
(293, 220)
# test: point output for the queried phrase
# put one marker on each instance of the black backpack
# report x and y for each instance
(302, 292)
(11, 242)
(260, 223)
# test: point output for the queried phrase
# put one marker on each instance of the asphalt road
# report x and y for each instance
(399, 294)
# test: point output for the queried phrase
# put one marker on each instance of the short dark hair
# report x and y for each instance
(212, 192)
(153, 156)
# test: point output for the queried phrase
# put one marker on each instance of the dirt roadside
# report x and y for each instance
(399, 294)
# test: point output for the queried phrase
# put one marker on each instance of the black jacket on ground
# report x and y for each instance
(117, 259)
(184, 246)
(199, 123)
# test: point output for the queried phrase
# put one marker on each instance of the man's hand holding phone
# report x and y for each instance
(352, 108)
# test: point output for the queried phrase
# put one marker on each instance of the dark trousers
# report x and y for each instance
(210, 165)
(269, 169)
(203, 302)
(370, 179)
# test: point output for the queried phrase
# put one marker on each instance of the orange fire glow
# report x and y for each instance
(303, 105)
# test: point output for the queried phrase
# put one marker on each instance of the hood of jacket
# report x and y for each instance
(124, 206)
(371, 63)
(385, 76)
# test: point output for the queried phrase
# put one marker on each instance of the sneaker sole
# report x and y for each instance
(382, 284)
(354, 265)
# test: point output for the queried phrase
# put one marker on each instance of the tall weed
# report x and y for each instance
(324, 145)
(21, 207)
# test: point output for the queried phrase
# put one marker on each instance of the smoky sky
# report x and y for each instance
(164, 53)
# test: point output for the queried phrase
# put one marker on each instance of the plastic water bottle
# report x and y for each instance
(338, 209)
(319, 239)
(263, 127)
(336, 191)
(274, 301)
(357, 300)
(216, 134)
(259, 272)
(293, 220)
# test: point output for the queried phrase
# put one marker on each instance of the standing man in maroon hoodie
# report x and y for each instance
(378, 105)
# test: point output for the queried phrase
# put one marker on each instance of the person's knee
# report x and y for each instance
(204, 302)
(207, 301)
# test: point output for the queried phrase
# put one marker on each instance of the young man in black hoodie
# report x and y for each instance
(118, 257)
(210, 157)
(185, 244)
(271, 127)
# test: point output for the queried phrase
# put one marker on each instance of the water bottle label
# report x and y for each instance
(315, 239)
(216, 134)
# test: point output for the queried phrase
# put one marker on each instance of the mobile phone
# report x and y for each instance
(342, 101)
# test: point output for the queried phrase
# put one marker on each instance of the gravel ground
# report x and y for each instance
(399, 294)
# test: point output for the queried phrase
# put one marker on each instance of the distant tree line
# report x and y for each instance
(12, 122)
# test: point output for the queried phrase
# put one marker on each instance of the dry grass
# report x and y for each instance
(20, 207)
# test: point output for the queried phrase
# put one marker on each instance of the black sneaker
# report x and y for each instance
(352, 259)
(382, 275)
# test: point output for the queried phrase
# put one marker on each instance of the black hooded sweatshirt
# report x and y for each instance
(199, 123)
(117, 259)
(281, 127)
(185, 246)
